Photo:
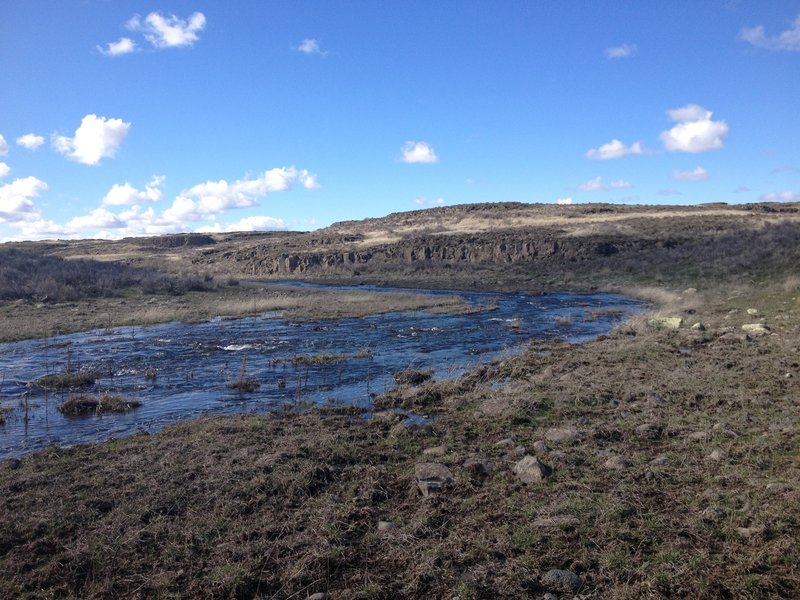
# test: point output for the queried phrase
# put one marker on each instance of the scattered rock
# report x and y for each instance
(715, 455)
(479, 469)
(748, 532)
(756, 329)
(319, 596)
(561, 434)
(549, 596)
(557, 522)
(540, 447)
(777, 487)
(386, 526)
(432, 478)
(516, 453)
(531, 470)
(9, 464)
(690, 291)
(712, 514)
(435, 451)
(648, 431)
(561, 581)
(617, 462)
(699, 436)
(698, 327)
(660, 461)
(666, 322)
(752, 312)
(504, 443)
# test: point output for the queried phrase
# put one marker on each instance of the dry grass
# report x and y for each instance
(86, 404)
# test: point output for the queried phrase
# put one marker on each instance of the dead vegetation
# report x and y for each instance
(671, 455)
(95, 404)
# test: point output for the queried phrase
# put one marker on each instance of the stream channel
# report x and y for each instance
(194, 363)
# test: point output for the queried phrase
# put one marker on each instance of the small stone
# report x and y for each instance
(540, 447)
(504, 443)
(516, 453)
(715, 455)
(478, 468)
(752, 312)
(777, 488)
(549, 596)
(562, 581)
(435, 451)
(698, 327)
(748, 532)
(617, 462)
(432, 478)
(757, 329)
(699, 436)
(666, 322)
(531, 470)
(660, 461)
(690, 291)
(561, 434)
(648, 431)
(319, 596)
(386, 526)
(9, 464)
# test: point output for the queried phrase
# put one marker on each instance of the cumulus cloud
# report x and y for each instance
(623, 51)
(787, 40)
(168, 31)
(257, 223)
(122, 46)
(95, 139)
(212, 198)
(3, 146)
(4, 170)
(31, 141)
(615, 149)
(16, 199)
(310, 46)
(780, 197)
(564, 200)
(99, 218)
(695, 131)
(696, 174)
(127, 195)
(593, 185)
(418, 152)
(426, 202)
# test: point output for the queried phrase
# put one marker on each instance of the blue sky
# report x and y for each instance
(130, 118)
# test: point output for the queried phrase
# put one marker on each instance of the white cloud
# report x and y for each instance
(425, 202)
(787, 40)
(122, 46)
(127, 195)
(98, 218)
(16, 202)
(564, 201)
(4, 170)
(695, 131)
(212, 198)
(3, 146)
(169, 31)
(623, 51)
(256, 223)
(95, 139)
(418, 152)
(621, 184)
(593, 185)
(310, 46)
(615, 149)
(696, 174)
(780, 197)
(31, 141)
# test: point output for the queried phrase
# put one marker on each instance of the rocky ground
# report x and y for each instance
(661, 460)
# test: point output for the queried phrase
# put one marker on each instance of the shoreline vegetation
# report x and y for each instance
(659, 460)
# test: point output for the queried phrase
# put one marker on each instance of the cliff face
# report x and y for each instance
(440, 251)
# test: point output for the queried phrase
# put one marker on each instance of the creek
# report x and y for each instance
(183, 371)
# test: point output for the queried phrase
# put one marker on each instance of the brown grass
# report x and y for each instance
(85, 404)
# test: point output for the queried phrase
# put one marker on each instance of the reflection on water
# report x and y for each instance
(194, 363)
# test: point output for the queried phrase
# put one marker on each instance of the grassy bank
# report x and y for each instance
(675, 472)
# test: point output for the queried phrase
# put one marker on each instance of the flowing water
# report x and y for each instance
(180, 371)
